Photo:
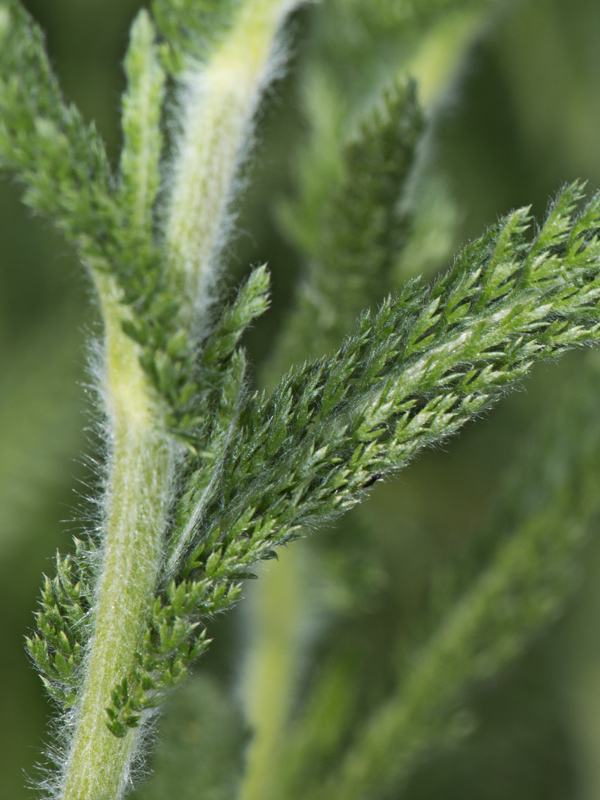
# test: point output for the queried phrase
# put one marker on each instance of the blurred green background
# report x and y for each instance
(519, 117)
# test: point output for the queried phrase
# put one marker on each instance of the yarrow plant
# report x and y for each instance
(205, 476)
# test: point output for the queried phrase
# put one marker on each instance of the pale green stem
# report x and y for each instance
(439, 55)
(219, 103)
(98, 763)
(278, 609)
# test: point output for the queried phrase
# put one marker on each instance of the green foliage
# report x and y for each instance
(142, 139)
(544, 526)
(60, 161)
(64, 625)
(62, 164)
(339, 96)
(515, 581)
(215, 475)
(359, 232)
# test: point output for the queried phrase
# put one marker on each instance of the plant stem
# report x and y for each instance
(139, 477)
(279, 620)
(220, 100)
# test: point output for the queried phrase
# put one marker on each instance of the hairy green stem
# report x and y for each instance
(220, 101)
(98, 763)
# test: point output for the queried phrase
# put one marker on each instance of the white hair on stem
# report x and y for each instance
(218, 102)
